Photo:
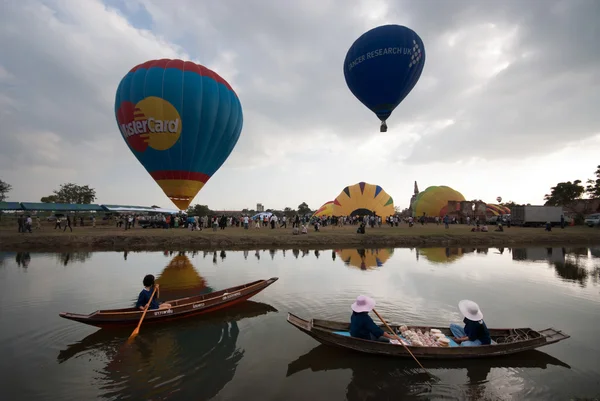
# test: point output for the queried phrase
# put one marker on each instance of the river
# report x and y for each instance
(250, 352)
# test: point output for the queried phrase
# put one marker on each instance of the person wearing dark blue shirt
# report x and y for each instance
(361, 324)
(146, 293)
(475, 331)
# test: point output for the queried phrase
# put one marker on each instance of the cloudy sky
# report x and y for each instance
(507, 105)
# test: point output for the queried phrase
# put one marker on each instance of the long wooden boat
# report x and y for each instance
(507, 341)
(180, 308)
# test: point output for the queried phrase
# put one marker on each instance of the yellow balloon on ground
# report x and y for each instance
(434, 201)
(365, 259)
(363, 199)
(325, 211)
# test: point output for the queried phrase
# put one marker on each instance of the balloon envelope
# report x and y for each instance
(181, 121)
(363, 199)
(433, 201)
(383, 66)
(325, 211)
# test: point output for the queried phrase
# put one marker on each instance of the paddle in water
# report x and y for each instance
(137, 329)
(401, 342)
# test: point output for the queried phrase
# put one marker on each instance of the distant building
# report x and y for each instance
(260, 207)
(412, 199)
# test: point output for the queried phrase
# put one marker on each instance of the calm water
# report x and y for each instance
(251, 352)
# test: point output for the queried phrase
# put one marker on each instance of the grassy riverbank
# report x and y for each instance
(232, 238)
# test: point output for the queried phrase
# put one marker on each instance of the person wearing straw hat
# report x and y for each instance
(475, 331)
(361, 324)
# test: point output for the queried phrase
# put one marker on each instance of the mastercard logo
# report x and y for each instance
(152, 122)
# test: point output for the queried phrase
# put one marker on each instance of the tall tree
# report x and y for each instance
(5, 188)
(303, 209)
(72, 193)
(199, 210)
(49, 199)
(593, 187)
(564, 193)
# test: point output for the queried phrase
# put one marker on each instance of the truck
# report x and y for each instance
(528, 216)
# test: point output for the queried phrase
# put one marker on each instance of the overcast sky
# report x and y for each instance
(507, 105)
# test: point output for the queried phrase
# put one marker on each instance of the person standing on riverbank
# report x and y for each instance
(68, 224)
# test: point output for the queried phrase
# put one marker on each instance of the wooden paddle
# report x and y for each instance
(137, 329)
(400, 340)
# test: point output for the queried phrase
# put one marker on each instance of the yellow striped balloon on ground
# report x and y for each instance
(496, 210)
(434, 201)
(363, 199)
(325, 211)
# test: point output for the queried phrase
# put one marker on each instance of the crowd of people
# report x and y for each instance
(299, 223)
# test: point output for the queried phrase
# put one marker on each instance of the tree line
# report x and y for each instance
(204, 210)
(565, 193)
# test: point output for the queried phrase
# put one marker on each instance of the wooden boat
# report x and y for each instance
(180, 308)
(508, 341)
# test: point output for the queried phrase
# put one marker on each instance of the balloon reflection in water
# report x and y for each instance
(441, 255)
(365, 259)
(179, 279)
(171, 358)
(374, 377)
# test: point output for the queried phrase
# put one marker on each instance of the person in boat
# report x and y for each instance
(146, 293)
(475, 331)
(361, 324)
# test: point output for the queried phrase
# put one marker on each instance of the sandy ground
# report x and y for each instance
(109, 238)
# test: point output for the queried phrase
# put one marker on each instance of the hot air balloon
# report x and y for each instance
(382, 66)
(325, 211)
(181, 121)
(363, 199)
(434, 201)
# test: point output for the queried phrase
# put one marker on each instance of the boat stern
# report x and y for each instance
(299, 322)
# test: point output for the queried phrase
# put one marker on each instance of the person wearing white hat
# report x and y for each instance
(475, 331)
(361, 324)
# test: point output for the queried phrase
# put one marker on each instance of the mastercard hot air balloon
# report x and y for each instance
(181, 121)
(382, 66)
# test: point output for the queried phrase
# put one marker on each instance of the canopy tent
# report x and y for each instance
(61, 207)
(262, 215)
(141, 209)
(6, 206)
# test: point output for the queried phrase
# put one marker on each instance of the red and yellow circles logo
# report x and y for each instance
(151, 122)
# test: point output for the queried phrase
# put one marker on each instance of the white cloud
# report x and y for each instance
(506, 104)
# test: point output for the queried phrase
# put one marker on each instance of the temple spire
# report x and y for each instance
(416, 188)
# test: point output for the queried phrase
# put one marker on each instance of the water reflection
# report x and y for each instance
(167, 359)
(180, 279)
(570, 264)
(65, 258)
(442, 255)
(375, 377)
(365, 259)
(23, 259)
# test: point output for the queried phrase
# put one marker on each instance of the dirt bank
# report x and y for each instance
(113, 239)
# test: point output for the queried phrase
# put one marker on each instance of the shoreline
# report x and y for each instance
(234, 238)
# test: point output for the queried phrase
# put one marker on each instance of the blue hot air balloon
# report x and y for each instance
(382, 66)
(181, 121)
